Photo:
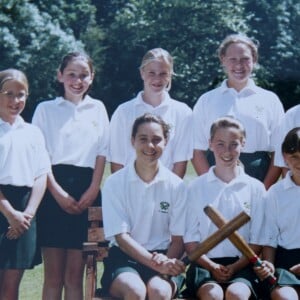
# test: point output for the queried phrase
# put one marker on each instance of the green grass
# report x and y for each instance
(32, 283)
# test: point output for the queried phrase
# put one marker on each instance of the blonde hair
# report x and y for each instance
(15, 75)
(238, 38)
(159, 54)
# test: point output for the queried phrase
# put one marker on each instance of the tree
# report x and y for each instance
(276, 25)
(189, 30)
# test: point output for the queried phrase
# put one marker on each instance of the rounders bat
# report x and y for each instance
(237, 240)
(217, 237)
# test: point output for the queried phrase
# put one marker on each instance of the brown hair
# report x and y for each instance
(150, 118)
(291, 143)
(227, 122)
(238, 38)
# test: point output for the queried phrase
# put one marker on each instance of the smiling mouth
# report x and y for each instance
(149, 153)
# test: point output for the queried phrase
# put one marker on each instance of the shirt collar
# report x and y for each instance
(139, 100)
(241, 178)
(18, 123)
(288, 183)
(160, 176)
(62, 101)
(251, 87)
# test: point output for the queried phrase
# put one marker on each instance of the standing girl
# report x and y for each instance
(223, 271)
(156, 72)
(259, 110)
(282, 222)
(75, 127)
(24, 165)
(144, 219)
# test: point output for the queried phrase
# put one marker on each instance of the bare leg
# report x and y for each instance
(54, 270)
(128, 286)
(159, 289)
(73, 281)
(10, 282)
(238, 291)
(210, 291)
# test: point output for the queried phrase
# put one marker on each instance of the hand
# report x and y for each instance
(68, 204)
(158, 258)
(88, 197)
(221, 273)
(172, 266)
(19, 223)
(264, 270)
(12, 234)
(295, 269)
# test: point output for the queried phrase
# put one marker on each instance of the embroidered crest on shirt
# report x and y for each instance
(164, 206)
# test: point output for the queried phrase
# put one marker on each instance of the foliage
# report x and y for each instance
(36, 34)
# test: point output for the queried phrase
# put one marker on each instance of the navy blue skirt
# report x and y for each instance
(56, 227)
(23, 252)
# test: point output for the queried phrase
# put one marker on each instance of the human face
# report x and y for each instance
(156, 76)
(149, 142)
(13, 96)
(238, 64)
(226, 145)
(76, 78)
(293, 162)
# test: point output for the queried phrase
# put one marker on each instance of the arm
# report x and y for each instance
(114, 167)
(139, 253)
(179, 168)
(273, 173)
(176, 247)
(200, 162)
(20, 221)
(91, 193)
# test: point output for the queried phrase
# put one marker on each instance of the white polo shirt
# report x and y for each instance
(259, 110)
(282, 214)
(244, 193)
(175, 113)
(74, 134)
(149, 212)
(291, 120)
(23, 156)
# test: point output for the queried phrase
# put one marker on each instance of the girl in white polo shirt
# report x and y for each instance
(282, 222)
(156, 72)
(24, 164)
(75, 127)
(144, 218)
(223, 271)
(258, 109)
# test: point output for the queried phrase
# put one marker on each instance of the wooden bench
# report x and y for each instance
(94, 250)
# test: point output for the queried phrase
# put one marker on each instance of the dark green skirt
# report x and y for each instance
(23, 252)
(56, 227)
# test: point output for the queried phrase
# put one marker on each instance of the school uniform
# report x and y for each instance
(75, 135)
(243, 193)
(23, 158)
(149, 212)
(291, 120)
(259, 110)
(175, 113)
(281, 227)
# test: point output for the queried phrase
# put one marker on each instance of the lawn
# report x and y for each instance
(31, 285)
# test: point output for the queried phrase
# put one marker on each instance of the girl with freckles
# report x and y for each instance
(144, 218)
(224, 273)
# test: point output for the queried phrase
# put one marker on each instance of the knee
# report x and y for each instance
(136, 293)
(284, 293)
(211, 292)
(157, 292)
(238, 291)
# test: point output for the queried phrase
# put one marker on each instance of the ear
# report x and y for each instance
(59, 76)
(142, 73)
(132, 141)
(92, 78)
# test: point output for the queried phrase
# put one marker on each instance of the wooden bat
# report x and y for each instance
(237, 240)
(217, 237)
